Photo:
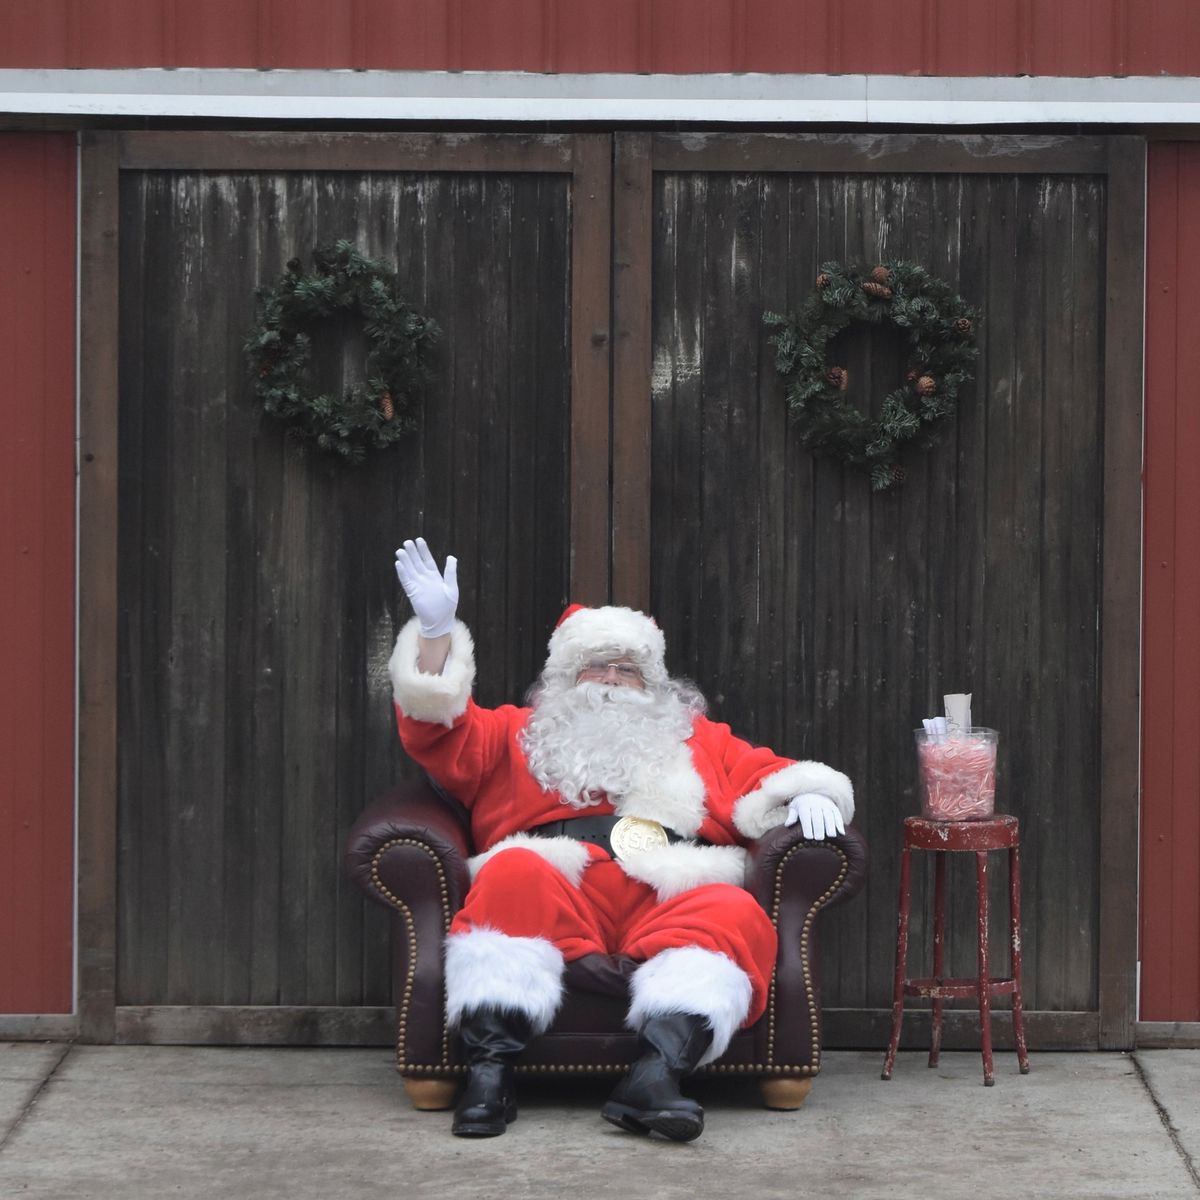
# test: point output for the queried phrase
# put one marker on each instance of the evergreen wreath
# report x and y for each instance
(940, 331)
(375, 413)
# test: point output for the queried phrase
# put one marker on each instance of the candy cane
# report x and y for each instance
(958, 778)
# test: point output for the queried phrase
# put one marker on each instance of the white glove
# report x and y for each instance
(434, 598)
(819, 817)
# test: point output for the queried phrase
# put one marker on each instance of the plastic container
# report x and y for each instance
(957, 774)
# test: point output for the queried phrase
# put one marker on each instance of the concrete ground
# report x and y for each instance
(136, 1122)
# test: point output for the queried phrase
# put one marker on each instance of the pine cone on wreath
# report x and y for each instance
(963, 326)
(926, 385)
(877, 291)
(899, 474)
(387, 407)
(823, 281)
(880, 275)
(838, 377)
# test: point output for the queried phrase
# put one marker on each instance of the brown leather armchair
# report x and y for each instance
(409, 852)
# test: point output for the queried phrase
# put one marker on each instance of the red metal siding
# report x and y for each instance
(972, 37)
(1170, 902)
(37, 564)
(217, 33)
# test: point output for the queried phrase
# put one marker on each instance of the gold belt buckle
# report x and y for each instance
(636, 835)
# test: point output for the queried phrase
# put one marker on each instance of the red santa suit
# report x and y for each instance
(535, 900)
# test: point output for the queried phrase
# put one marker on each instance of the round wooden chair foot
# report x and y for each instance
(431, 1095)
(787, 1094)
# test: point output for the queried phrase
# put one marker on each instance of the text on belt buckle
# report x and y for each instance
(635, 835)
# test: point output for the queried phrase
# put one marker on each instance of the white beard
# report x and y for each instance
(591, 738)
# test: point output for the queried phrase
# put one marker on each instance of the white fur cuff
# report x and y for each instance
(672, 870)
(688, 979)
(765, 807)
(489, 969)
(568, 856)
(441, 698)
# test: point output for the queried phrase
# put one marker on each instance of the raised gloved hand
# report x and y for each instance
(819, 817)
(434, 597)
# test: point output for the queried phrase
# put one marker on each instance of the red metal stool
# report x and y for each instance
(979, 838)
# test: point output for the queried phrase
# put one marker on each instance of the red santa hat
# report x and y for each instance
(607, 632)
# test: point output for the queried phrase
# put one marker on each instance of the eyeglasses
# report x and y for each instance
(598, 668)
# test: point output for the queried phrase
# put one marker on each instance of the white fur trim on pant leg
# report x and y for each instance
(568, 856)
(766, 806)
(489, 969)
(687, 979)
(441, 698)
(673, 870)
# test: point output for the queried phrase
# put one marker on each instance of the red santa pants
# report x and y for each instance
(520, 894)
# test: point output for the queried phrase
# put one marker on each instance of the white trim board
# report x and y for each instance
(366, 96)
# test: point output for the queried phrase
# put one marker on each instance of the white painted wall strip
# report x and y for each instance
(365, 96)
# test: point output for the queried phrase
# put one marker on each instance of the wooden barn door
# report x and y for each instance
(825, 620)
(250, 602)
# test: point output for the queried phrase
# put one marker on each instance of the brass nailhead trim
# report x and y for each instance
(610, 1069)
(572, 1069)
(411, 930)
(809, 990)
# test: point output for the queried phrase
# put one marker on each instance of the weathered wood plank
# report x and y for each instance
(243, 1025)
(868, 1029)
(98, 574)
(1006, 698)
(678, 285)
(40, 1027)
(262, 789)
(196, 651)
(717, 588)
(887, 153)
(537, 260)
(178, 150)
(591, 318)
(374, 1025)
(1083, 658)
(632, 407)
(249, 515)
(776, 623)
(142, 640)
(1124, 271)
(489, 521)
(1164, 1035)
(742, 554)
(550, 452)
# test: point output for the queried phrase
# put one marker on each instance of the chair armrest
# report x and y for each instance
(404, 829)
(829, 871)
(794, 879)
(409, 851)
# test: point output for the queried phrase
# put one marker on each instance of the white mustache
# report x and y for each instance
(595, 695)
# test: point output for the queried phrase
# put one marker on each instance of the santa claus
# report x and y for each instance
(611, 817)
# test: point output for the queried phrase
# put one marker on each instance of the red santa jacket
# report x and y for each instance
(721, 789)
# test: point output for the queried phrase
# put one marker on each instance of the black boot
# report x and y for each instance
(648, 1099)
(492, 1040)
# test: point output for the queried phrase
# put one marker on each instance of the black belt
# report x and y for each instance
(597, 830)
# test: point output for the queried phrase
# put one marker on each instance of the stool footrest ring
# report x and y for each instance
(952, 989)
